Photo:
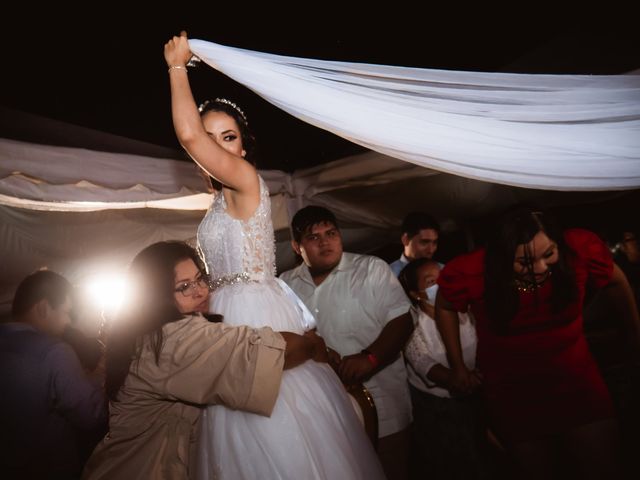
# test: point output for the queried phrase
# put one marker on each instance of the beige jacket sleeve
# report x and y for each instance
(212, 363)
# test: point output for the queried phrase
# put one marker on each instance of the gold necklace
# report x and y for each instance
(524, 286)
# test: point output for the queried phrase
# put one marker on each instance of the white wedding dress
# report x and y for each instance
(314, 431)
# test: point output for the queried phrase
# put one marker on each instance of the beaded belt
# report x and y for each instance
(234, 279)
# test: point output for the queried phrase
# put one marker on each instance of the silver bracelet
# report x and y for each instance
(179, 67)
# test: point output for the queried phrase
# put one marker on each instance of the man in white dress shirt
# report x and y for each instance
(420, 232)
(362, 313)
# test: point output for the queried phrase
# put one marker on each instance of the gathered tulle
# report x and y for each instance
(314, 431)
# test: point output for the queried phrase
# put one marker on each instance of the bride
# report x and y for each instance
(314, 431)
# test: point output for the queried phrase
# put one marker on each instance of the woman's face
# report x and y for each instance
(191, 290)
(543, 254)
(225, 131)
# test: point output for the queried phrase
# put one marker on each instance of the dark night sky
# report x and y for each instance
(105, 69)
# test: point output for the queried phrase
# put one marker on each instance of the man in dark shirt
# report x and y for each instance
(49, 403)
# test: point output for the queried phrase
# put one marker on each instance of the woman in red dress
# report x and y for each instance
(544, 394)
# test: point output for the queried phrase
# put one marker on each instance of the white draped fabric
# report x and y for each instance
(63, 207)
(76, 209)
(49, 177)
(554, 132)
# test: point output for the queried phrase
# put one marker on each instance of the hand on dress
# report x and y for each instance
(334, 359)
(177, 51)
(321, 351)
(355, 368)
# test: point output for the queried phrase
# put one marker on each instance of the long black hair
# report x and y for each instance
(152, 279)
(518, 226)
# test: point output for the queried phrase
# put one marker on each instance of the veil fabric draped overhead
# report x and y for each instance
(551, 132)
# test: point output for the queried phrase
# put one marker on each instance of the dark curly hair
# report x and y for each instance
(408, 276)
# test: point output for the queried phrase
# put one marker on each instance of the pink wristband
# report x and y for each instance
(373, 360)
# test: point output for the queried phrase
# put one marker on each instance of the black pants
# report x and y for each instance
(446, 433)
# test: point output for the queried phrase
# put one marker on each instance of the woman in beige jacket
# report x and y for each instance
(165, 362)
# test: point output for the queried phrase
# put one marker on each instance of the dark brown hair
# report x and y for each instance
(413, 222)
(408, 276)
(152, 276)
(307, 217)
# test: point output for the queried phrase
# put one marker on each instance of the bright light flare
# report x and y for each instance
(108, 291)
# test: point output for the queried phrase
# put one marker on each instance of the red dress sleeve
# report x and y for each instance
(593, 253)
(460, 278)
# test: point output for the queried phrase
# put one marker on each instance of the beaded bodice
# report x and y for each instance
(233, 247)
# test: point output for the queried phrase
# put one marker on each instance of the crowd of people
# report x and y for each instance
(477, 367)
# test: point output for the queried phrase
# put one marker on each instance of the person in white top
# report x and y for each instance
(446, 430)
(362, 313)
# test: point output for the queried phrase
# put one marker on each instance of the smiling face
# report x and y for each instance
(191, 291)
(225, 131)
(534, 259)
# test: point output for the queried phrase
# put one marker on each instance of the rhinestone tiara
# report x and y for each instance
(226, 102)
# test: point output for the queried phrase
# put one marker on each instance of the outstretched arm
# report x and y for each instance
(231, 170)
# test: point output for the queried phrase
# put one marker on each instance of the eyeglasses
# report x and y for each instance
(189, 288)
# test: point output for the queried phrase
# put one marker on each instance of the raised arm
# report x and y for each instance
(204, 147)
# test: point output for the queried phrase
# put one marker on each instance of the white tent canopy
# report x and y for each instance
(557, 132)
(81, 211)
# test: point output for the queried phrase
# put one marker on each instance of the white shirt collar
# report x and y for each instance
(346, 263)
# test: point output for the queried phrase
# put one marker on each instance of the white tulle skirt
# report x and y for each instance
(313, 432)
